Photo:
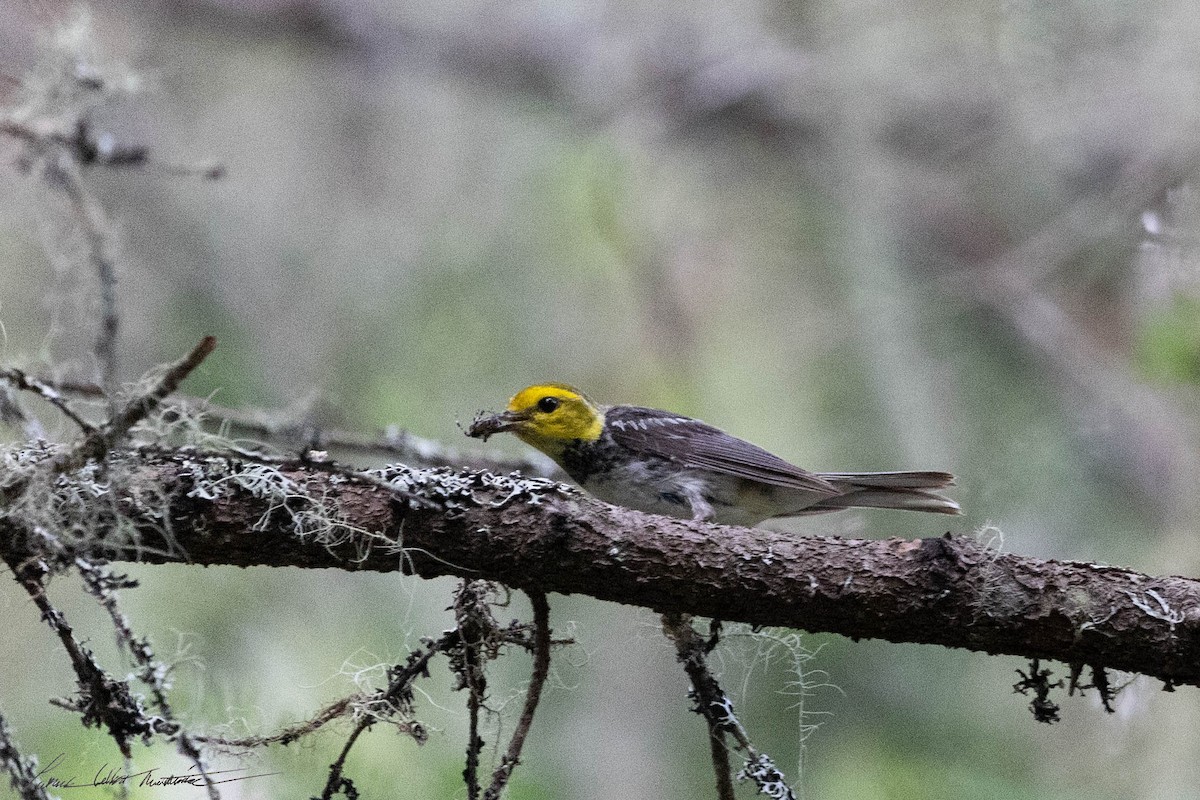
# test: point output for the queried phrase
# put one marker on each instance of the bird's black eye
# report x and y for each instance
(548, 404)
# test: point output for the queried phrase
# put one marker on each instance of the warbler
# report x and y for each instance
(666, 463)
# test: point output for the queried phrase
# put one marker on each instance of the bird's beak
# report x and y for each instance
(485, 425)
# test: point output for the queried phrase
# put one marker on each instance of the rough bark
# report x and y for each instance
(540, 536)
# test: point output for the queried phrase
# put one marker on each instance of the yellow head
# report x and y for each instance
(549, 416)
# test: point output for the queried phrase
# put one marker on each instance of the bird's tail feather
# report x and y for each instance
(901, 490)
(890, 480)
(906, 500)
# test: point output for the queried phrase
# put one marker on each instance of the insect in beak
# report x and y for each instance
(484, 425)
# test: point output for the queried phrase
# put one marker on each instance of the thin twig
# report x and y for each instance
(11, 413)
(100, 440)
(717, 709)
(29, 576)
(706, 692)
(390, 443)
(474, 740)
(718, 751)
(537, 680)
(90, 149)
(102, 586)
(335, 710)
(22, 771)
(62, 152)
(103, 700)
(477, 641)
(24, 382)
(398, 689)
(63, 174)
(97, 443)
(285, 736)
(338, 782)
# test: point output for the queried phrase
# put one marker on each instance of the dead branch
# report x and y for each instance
(22, 771)
(98, 442)
(537, 680)
(293, 429)
(25, 383)
(63, 174)
(540, 536)
(103, 701)
(468, 661)
(717, 709)
(102, 585)
(397, 696)
(88, 148)
(710, 699)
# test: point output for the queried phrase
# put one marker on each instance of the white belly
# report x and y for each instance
(663, 489)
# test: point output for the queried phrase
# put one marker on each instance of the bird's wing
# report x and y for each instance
(693, 443)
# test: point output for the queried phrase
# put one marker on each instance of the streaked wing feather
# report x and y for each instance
(696, 444)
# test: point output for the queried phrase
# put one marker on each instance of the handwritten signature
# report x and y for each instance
(113, 776)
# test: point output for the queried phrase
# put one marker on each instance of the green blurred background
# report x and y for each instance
(864, 235)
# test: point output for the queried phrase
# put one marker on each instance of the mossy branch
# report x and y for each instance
(540, 536)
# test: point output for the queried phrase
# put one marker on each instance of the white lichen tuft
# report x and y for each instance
(749, 658)
(58, 512)
(457, 490)
(73, 77)
(767, 777)
(990, 537)
(993, 580)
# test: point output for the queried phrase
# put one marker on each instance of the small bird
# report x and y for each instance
(665, 463)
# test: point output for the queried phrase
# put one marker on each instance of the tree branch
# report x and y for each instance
(22, 771)
(537, 680)
(710, 699)
(102, 699)
(20, 380)
(102, 585)
(396, 697)
(717, 709)
(98, 441)
(293, 428)
(540, 536)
